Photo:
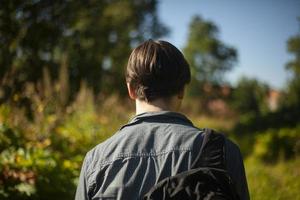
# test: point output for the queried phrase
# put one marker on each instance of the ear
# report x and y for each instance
(131, 91)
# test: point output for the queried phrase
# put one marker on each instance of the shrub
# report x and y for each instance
(276, 144)
(33, 169)
(40, 158)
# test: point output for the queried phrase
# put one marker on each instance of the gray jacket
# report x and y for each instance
(151, 147)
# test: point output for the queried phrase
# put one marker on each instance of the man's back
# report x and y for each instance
(151, 147)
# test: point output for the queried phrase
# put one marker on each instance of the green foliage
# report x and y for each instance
(209, 57)
(277, 144)
(10, 137)
(293, 46)
(250, 98)
(93, 38)
(41, 158)
(250, 123)
(35, 172)
(30, 167)
(292, 97)
(279, 181)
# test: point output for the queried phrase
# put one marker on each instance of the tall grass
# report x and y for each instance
(279, 181)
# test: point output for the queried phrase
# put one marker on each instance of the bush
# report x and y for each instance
(276, 144)
(41, 157)
(37, 173)
(32, 168)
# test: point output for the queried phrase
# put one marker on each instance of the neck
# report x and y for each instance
(156, 106)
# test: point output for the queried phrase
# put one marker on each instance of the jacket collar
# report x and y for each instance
(160, 116)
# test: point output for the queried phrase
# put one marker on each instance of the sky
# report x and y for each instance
(258, 29)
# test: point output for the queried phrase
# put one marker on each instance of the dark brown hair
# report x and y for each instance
(157, 69)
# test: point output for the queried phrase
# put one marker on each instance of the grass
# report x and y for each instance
(217, 123)
(279, 181)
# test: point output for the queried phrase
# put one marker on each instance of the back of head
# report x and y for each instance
(157, 69)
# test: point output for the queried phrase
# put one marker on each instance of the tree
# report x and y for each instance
(292, 98)
(249, 96)
(209, 57)
(95, 37)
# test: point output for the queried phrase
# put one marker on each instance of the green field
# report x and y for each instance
(277, 181)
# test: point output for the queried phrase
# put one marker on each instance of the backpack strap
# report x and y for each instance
(212, 151)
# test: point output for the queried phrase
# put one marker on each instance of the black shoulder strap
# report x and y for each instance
(212, 151)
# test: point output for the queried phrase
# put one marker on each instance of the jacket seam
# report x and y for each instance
(129, 155)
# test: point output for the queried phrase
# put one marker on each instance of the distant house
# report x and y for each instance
(217, 90)
(216, 103)
(218, 93)
(273, 99)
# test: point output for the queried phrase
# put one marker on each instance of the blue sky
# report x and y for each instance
(258, 29)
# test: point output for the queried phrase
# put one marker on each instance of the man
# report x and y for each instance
(158, 142)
